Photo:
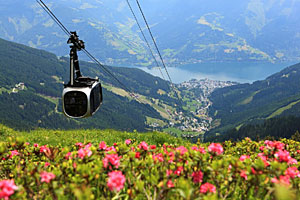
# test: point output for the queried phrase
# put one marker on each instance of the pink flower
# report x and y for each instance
(292, 172)
(194, 148)
(283, 156)
(158, 157)
(285, 180)
(74, 165)
(14, 153)
(244, 157)
(182, 150)
(243, 174)
(207, 187)
(170, 184)
(279, 145)
(47, 177)
(112, 159)
(197, 177)
(264, 159)
(79, 144)
(178, 170)
(102, 145)
(215, 148)
(202, 150)
(269, 143)
(143, 145)
(292, 161)
(253, 170)
(128, 141)
(275, 144)
(68, 156)
(116, 181)
(169, 172)
(229, 168)
(47, 164)
(88, 145)
(82, 153)
(112, 148)
(262, 148)
(137, 155)
(44, 149)
(152, 146)
(35, 145)
(7, 188)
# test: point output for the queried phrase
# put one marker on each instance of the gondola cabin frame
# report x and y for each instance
(82, 102)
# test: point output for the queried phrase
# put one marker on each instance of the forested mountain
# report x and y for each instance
(273, 128)
(239, 105)
(31, 82)
(186, 31)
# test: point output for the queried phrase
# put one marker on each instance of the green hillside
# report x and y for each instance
(31, 82)
(38, 104)
(278, 95)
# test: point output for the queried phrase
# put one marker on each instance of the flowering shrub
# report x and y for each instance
(137, 170)
(7, 188)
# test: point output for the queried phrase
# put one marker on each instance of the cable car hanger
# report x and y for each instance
(82, 96)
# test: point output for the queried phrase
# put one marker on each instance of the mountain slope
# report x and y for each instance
(186, 32)
(275, 96)
(31, 86)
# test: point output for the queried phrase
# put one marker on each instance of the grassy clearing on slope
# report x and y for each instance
(67, 138)
(179, 132)
(281, 110)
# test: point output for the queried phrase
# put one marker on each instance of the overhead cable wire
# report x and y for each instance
(60, 24)
(106, 70)
(146, 22)
(137, 22)
(51, 14)
(157, 49)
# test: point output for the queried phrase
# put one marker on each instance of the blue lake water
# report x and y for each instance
(242, 72)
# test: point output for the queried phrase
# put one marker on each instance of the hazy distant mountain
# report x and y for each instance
(186, 31)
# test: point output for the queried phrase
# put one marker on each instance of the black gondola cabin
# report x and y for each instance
(82, 96)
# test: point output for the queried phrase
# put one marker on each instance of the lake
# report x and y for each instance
(242, 72)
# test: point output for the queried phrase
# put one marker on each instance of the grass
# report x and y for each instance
(2, 89)
(54, 100)
(151, 120)
(179, 132)
(282, 109)
(161, 110)
(70, 137)
(238, 127)
(249, 99)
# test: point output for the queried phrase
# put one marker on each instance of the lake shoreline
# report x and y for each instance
(242, 72)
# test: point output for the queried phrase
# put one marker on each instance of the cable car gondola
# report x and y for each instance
(82, 96)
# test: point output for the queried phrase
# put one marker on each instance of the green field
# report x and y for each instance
(67, 138)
